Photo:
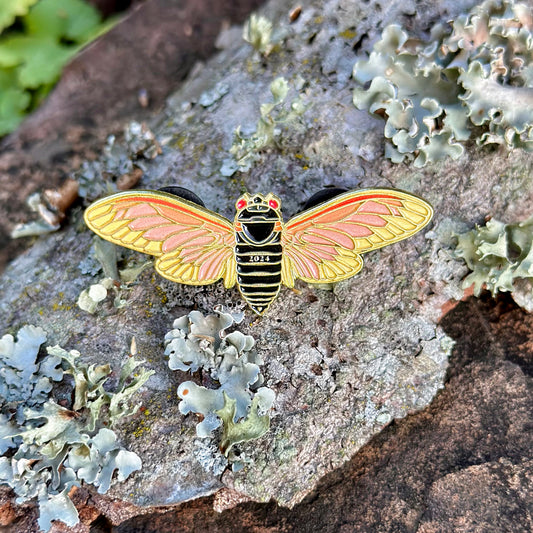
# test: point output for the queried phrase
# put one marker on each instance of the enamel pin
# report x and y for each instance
(258, 251)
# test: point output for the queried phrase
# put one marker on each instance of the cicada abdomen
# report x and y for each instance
(258, 251)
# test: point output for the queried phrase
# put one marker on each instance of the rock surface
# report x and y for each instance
(463, 464)
(344, 363)
(150, 50)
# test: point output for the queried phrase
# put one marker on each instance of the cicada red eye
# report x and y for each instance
(241, 204)
(274, 204)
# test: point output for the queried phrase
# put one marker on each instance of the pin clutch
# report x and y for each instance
(258, 251)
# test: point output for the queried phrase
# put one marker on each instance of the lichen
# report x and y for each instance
(474, 72)
(237, 400)
(140, 142)
(58, 447)
(208, 98)
(258, 32)
(120, 168)
(25, 382)
(105, 256)
(274, 118)
(89, 299)
(500, 257)
(253, 426)
(121, 165)
(207, 453)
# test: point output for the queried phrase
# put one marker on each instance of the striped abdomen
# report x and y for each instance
(258, 269)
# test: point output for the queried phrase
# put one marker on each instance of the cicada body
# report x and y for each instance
(258, 249)
(258, 252)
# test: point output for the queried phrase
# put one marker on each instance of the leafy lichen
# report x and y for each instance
(25, 382)
(258, 32)
(500, 257)
(238, 402)
(274, 117)
(253, 426)
(59, 447)
(476, 72)
(96, 293)
(116, 280)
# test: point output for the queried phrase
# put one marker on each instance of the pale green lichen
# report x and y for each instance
(59, 447)
(476, 72)
(140, 141)
(501, 259)
(208, 98)
(237, 401)
(101, 177)
(89, 299)
(207, 453)
(25, 381)
(274, 118)
(253, 426)
(258, 32)
(105, 256)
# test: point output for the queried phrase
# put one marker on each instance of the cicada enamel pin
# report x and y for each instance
(258, 252)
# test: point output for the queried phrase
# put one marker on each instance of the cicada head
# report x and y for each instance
(258, 215)
(257, 203)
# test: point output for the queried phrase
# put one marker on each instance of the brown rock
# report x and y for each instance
(494, 496)
(7, 514)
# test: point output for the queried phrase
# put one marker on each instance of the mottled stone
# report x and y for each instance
(462, 464)
(344, 362)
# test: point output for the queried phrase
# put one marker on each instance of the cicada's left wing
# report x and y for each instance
(193, 245)
(323, 244)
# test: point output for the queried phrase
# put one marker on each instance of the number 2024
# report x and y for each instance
(259, 259)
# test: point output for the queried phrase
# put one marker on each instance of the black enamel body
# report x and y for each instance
(258, 255)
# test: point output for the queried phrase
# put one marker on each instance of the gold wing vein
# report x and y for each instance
(192, 244)
(323, 244)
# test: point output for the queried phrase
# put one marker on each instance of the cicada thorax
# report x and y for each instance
(258, 251)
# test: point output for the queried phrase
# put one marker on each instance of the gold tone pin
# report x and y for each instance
(258, 251)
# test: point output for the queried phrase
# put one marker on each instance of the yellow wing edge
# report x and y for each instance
(99, 217)
(352, 261)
